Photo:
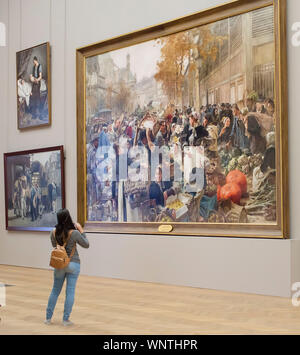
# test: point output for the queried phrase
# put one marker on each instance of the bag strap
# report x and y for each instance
(54, 234)
(74, 246)
(69, 236)
(73, 251)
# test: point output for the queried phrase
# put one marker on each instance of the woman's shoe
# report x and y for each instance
(67, 323)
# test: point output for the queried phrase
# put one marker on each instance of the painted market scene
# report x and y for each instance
(35, 195)
(182, 128)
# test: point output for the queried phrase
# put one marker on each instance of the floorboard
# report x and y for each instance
(110, 306)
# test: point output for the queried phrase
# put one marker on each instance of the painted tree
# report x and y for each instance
(109, 96)
(207, 43)
(181, 55)
(121, 102)
(175, 57)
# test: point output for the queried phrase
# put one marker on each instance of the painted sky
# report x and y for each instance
(42, 157)
(143, 58)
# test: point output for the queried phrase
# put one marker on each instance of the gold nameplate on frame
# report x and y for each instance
(165, 228)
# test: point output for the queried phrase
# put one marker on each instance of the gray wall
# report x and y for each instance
(244, 265)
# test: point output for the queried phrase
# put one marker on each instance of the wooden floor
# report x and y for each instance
(109, 306)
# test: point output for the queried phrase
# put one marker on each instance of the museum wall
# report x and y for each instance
(236, 264)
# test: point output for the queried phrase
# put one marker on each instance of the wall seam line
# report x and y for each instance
(50, 22)
(7, 76)
(21, 24)
(65, 85)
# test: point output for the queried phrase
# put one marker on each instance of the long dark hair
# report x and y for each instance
(64, 224)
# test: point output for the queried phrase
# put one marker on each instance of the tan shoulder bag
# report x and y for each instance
(59, 258)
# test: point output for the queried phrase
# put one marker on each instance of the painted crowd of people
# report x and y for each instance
(32, 199)
(243, 129)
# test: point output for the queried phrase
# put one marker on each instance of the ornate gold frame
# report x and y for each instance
(278, 230)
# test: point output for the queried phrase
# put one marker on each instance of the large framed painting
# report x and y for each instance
(34, 188)
(182, 127)
(33, 87)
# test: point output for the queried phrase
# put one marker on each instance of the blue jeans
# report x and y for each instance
(71, 273)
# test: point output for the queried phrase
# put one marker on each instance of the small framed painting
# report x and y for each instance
(34, 87)
(34, 188)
